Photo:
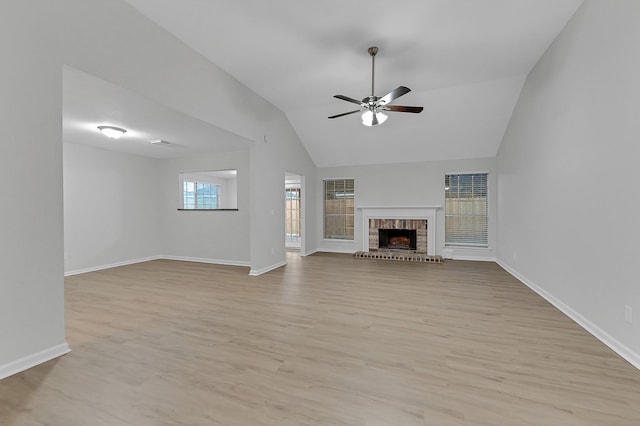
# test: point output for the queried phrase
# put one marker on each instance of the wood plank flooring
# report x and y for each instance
(326, 340)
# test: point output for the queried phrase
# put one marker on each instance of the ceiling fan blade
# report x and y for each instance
(344, 113)
(348, 99)
(400, 108)
(394, 94)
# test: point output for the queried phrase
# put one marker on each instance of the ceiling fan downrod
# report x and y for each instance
(374, 105)
(373, 50)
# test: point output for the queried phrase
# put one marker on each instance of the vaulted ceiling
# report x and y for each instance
(465, 61)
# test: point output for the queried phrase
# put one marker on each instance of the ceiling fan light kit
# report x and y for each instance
(370, 119)
(374, 105)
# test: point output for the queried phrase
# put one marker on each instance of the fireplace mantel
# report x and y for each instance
(427, 213)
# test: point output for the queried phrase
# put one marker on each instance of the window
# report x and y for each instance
(338, 209)
(465, 209)
(200, 195)
(292, 211)
(208, 190)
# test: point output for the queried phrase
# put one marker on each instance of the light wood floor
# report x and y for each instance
(327, 340)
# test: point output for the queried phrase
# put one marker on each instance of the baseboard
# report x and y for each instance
(32, 360)
(474, 258)
(110, 265)
(309, 252)
(468, 253)
(147, 259)
(618, 347)
(206, 260)
(256, 272)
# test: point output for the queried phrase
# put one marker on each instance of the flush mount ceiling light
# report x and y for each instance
(112, 131)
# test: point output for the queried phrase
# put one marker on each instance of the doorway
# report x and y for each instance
(293, 211)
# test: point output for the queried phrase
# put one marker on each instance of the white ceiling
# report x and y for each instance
(89, 102)
(465, 61)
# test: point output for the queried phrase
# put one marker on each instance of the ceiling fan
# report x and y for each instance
(373, 105)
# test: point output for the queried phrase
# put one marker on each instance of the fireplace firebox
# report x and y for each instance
(398, 239)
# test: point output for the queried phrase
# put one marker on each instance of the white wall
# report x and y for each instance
(406, 184)
(142, 57)
(567, 171)
(270, 160)
(212, 236)
(31, 239)
(229, 193)
(111, 208)
(121, 208)
(227, 188)
(110, 40)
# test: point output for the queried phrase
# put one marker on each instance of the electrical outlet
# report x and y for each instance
(628, 314)
(273, 250)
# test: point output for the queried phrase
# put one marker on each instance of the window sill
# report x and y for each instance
(207, 210)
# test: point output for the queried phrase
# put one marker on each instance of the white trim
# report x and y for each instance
(340, 178)
(206, 260)
(337, 246)
(487, 172)
(399, 207)
(474, 258)
(256, 272)
(32, 360)
(308, 253)
(110, 265)
(428, 213)
(336, 250)
(158, 257)
(618, 347)
(483, 254)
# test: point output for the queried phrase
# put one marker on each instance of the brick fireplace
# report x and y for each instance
(398, 234)
(422, 219)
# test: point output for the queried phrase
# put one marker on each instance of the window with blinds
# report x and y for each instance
(339, 209)
(466, 209)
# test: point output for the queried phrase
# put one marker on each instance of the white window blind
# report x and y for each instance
(466, 209)
(339, 209)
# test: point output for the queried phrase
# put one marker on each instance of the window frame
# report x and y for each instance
(195, 197)
(289, 209)
(469, 244)
(346, 237)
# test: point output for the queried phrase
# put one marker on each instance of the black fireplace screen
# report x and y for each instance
(400, 239)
